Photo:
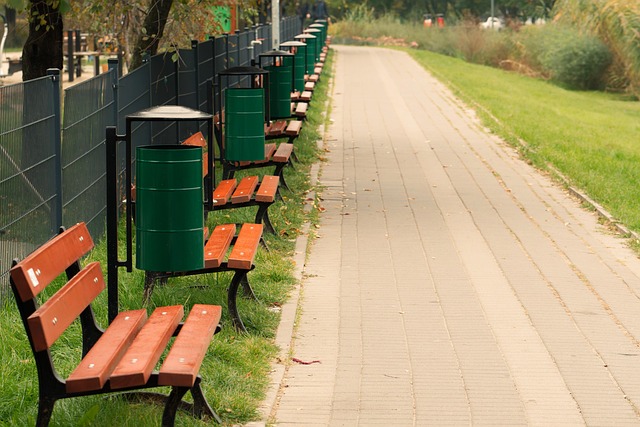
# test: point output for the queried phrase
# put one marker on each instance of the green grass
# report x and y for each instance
(236, 370)
(591, 138)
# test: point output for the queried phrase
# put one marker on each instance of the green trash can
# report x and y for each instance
(318, 41)
(244, 124)
(280, 85)
(323, 32)
(299, 49)
(299, 71)
(310, 51)
(169, 208)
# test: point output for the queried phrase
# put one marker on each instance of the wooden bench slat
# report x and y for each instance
(301, 109)
(283, 153)
(142, 356)
(196, 140)
(36, 271)
(276, 128)
(246, 246)
(49, 321)
(245, 189)
(306, 96)
(293, 128)
(205, 164)
(182, 364)
(218, 244)
(268, 189)
(269, 149)
(224, 190)
(96, 367)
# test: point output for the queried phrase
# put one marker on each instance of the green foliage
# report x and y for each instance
(617, 24)
(576, 60)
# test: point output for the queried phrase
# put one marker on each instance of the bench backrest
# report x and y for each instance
(33, 274)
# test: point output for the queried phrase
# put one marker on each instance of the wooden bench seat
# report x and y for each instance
(122, 357)
(239, 250)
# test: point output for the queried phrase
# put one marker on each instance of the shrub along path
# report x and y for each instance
(452, 283)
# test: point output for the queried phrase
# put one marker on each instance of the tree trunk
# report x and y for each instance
(149, 38)
(43, 48)
(10, 15)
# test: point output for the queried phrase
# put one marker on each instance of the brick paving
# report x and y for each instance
(452, 284)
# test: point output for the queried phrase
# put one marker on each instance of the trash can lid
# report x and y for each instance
(275, 53)
(242, 71)
(292, 43)
(169, 112)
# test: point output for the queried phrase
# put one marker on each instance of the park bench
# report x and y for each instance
(120, 358)
(275, 155)
(249, 191)
(238, 248)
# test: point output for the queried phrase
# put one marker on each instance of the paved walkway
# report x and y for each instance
(452, 284)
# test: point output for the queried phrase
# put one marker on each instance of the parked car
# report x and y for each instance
(492, 23)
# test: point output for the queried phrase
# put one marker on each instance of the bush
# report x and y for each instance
(573, 59)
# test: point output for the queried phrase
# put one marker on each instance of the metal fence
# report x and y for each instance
(52, 162)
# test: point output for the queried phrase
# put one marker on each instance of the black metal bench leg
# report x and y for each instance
(227, 171)
(232, 294)
(279, 172)
(262, 217)
(45, 409)
(201, 407)
(171, 406)
(247, 289)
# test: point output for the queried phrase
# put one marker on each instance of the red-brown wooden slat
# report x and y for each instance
(36, 271)
(96, 367)
(245, 189)
(283, 153)
(142, 356)
(218, 244)
(293, 128)
(306, 96)
(196, 140)
(49, 321)
(182, 364)
(246, 246)
(224, 190)
(205, 164)
(269, 149)
(301, 109)
(268, 189)
(277, 128)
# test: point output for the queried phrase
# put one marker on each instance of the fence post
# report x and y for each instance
(196, 60)
(114, 70)
(56, 212)
(70, 64)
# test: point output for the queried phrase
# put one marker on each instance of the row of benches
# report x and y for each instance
(124, 356)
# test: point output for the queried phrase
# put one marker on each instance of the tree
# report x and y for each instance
(43, 48)
(152, 31)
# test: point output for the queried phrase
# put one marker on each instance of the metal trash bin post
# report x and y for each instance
(169, 113)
